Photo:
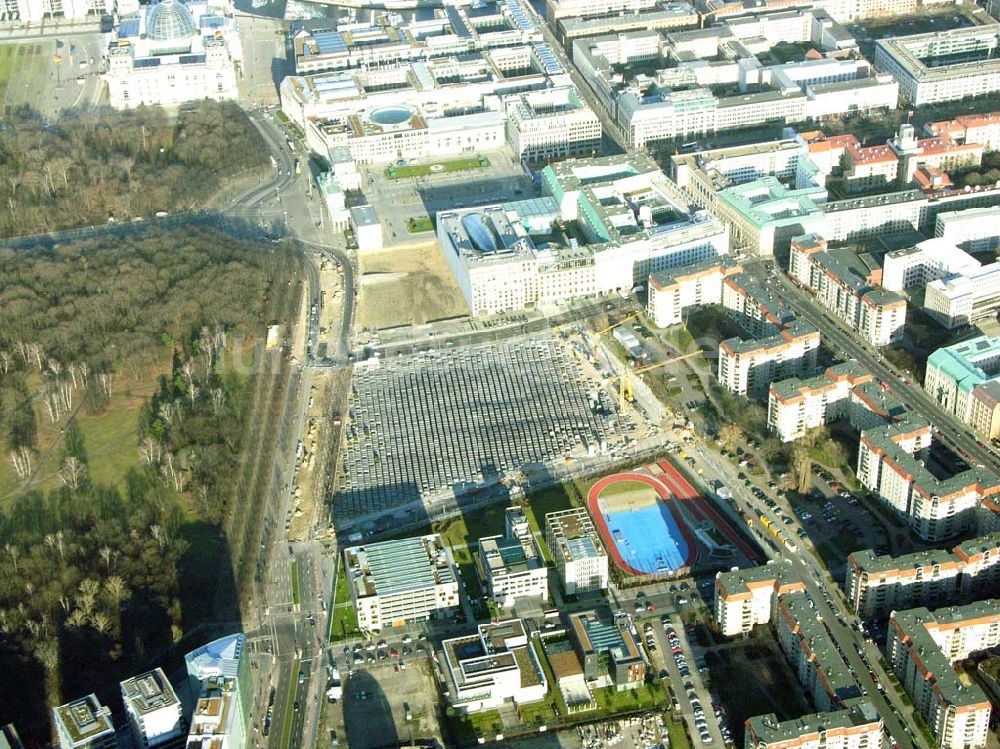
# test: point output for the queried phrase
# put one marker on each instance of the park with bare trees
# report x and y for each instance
(132, 404)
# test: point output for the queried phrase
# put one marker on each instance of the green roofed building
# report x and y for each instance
(394, 582)
(965, 380)
(84, 724)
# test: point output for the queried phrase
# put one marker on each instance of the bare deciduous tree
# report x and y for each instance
(73, 473)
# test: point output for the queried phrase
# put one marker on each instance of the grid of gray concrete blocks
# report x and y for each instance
(421, 424)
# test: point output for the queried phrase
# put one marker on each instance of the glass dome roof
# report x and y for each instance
(169, 19)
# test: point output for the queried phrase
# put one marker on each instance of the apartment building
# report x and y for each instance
(794, 406)
(496, 665)
(857, 726)
(971, 230)
(395, 582)
(579, 556)
(894, 461)
(153, 711)
(745, 598)
(758, 310)
(847, 290)
(970, 128)
(965, 379)
(749, 367)
(671, 292)
(84, 724)
(922, 647)
(512, 565)
(944, 65)
(812, 654)
(877, 585)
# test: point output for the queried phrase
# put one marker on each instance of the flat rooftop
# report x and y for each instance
(149, 692)
(84, 718)
(392, 567)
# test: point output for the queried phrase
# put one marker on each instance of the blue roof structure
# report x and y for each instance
(548, 58)
(480, 235)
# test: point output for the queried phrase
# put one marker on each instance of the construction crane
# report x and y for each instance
(625, 378)
(599, 333)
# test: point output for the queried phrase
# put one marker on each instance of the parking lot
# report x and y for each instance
(387, 698)
(443, 420)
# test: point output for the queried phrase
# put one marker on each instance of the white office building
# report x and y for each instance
(553, 123)
(577, 551)
(927, 261)
(962, 299)
(923, 646)
(395, 582)
(942, 65)
(153, 711)
(170, 53)
(972, 230)
(603, 225)
(512, 565)
(497, 665)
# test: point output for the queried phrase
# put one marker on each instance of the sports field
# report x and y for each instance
(637, 520)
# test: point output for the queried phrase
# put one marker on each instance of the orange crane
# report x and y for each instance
(597, 336)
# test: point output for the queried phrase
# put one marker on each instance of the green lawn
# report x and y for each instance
(540, 504)
(23, 61)
(678, 736)
(626, 487)
(344, 620)
(286, 723)
(464, 728)
(417, 225)
(294, 574)
(422, 170)
(648, 696)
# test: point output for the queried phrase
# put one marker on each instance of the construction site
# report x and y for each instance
(451, 421)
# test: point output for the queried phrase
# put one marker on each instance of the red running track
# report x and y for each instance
(684, 489)
(609, 541)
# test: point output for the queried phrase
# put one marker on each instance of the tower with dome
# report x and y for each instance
(170, 53)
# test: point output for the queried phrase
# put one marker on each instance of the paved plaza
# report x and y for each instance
(461, 416)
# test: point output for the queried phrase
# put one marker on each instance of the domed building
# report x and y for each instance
(172, 52)
(170, 27)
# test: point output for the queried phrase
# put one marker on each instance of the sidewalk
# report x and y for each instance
(18, 31)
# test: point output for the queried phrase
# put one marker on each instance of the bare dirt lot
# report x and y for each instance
(407, 284)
